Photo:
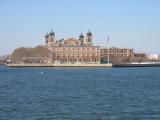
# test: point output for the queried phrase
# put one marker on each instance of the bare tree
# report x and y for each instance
(38, 52)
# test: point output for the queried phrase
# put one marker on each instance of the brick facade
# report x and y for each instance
(117, 55)
(73, 50)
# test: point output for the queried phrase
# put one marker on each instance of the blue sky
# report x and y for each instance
(129, 23)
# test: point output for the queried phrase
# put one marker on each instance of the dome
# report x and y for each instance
(52, 33)
(81, 35)
(89, 33)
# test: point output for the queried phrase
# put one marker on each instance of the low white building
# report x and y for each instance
(153, 57)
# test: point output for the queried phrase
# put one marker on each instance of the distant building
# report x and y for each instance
(72, 50)
(140, 57)
(152, 57)
(117, 55)
(3, 59)
(158, 57)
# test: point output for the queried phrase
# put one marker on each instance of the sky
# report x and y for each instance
(129, 23)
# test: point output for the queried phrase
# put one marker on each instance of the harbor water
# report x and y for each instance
(80, 93)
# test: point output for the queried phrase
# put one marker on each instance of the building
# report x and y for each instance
(140, 57)
(158, 57)
(116, 55)
(72, 50)
(152, 57)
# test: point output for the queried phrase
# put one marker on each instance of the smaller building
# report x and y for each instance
(158, 57)
(152, 57)
(139, 57)
(116, 55)
(37, 60)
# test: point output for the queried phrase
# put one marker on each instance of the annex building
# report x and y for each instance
(117, 55)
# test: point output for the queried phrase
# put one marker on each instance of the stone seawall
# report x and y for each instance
(59, 65)
(136, 65)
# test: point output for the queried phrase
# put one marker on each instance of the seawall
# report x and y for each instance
(59, 65)
(136, 65)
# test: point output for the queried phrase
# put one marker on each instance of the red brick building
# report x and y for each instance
(117, 55)
(72, 50)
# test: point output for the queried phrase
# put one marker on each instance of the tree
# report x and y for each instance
(22, 52)
(40, 51)
(19, 53)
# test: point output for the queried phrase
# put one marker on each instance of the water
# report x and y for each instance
(79, 93)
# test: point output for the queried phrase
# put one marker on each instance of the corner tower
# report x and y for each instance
(46, 39)
(50, 40)
(52, 36)
(81, 38)
(89, 38)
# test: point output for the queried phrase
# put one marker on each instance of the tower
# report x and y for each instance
(89, 38)
(81, 38)
(52, 36)
(49, 40)
(46, 39)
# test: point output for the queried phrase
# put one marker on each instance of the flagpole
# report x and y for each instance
(108, 48)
